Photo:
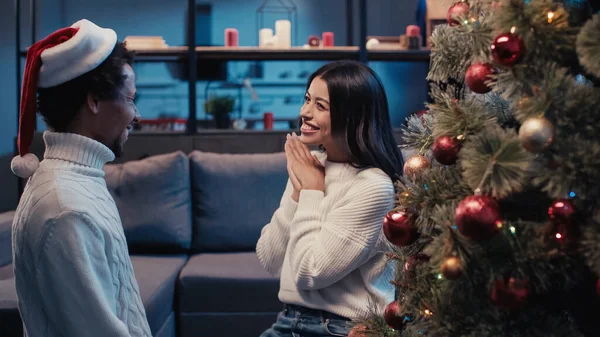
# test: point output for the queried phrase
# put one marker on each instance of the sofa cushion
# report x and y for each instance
(227, 282)
(6, 220)
(153, 198)
(234, 196)
(10, 320)
(156, 277)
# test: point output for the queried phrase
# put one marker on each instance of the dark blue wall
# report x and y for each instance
(162, 94)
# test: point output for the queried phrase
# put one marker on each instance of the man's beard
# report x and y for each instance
(117, 148)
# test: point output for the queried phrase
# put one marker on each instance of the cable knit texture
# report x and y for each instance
(328, 248)
(72, 269)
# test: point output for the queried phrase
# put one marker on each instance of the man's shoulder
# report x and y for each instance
(49, 195)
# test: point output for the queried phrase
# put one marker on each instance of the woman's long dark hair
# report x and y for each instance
(360, 115)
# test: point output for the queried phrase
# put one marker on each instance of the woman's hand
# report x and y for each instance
(295, 182)
(305, 170)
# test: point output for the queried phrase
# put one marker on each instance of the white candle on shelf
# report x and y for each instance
(265, 36)
(283, 31)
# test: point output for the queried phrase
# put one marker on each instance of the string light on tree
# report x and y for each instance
(508, 48)
(564, 234)
(550, 16)
(536, 134)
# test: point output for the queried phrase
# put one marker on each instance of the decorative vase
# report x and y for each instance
(222, 121)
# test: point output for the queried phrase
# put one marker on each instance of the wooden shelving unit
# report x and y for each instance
(179, 54)
(183, 54)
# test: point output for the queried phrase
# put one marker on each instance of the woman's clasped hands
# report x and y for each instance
(305, 170)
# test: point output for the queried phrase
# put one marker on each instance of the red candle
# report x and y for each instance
(413, 30)
(231, 37)
(268, 120)
(328, 39)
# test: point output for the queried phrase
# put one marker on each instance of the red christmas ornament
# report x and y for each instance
(510, 294)
(477, 75)
(393, 317)
(457, 11)
(478, 217)
(508, 49)
(445, 150)
(399, 229)
(562, 210)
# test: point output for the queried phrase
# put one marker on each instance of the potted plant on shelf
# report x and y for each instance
(220, 107)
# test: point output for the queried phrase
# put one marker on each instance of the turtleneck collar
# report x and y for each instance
(335, 169)
(79, 152)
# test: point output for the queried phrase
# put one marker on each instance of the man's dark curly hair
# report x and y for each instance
(60, 104)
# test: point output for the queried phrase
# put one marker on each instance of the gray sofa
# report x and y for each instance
(192, 222)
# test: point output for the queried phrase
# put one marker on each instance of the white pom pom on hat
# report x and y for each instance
(60, 57)
(25, 166)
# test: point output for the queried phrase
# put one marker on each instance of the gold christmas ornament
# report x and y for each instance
(536, 134)
(404, 196)
(451, 268)
(415, 165)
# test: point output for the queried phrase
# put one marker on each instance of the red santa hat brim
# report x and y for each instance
(60, 57)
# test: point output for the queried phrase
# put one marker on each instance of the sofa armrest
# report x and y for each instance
(6, 220)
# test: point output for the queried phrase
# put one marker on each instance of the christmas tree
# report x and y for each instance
(496, 230)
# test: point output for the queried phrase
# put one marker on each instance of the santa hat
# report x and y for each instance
(62, 56)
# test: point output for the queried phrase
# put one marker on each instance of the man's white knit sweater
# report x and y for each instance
(328, 248)
(72, 269)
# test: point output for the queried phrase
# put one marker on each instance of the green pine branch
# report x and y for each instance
(437, 186)
(589, 242)
(416, 134)
(495, 162)
(459, 117)
(453, 49)
(588, 46)
(573, 166)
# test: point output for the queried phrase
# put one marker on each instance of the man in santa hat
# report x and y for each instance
(73, 273)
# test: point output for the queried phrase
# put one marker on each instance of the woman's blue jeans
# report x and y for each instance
(296, 321)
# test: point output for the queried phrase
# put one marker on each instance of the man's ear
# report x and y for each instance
(92, 103)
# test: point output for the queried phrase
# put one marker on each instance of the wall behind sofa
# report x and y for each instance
(160, 93)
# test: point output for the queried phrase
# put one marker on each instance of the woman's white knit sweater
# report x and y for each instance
(328, 248)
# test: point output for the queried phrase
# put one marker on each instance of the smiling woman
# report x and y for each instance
(324, 241)
(316, 128)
